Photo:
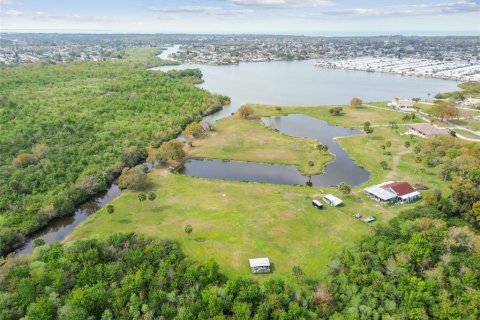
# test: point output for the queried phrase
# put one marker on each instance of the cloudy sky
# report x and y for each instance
(309, 17)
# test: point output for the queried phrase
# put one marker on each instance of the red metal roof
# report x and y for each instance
(401, 188)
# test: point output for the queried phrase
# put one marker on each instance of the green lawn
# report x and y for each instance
(250, 140)
(352, 116)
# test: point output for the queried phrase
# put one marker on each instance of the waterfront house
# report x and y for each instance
(402, 104)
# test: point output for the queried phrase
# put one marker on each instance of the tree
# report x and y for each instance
(356, 102)
(336, 111)
(188, 229)
(142, 197)
(384, 165)
(417, 149)
(173, 149)
(194, 130)
(245, 111)
(367, 128)
(134, 178)
(344, 188)
(388, 144)
(152, 196)
(322, 147)
(110, 208)
(38, 242)
(297, 273)
(407, 144)
(311, 164)
(393, 124)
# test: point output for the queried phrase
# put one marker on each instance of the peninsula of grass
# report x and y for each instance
(351, 116)
(250, 140)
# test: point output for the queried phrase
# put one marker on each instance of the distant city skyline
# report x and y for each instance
(308, 17)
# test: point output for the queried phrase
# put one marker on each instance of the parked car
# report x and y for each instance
(369, 219)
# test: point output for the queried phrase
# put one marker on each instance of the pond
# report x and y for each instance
(341, 169)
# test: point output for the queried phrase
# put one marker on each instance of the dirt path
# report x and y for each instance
(392, 174)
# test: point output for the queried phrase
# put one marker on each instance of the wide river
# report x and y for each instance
(275, 83)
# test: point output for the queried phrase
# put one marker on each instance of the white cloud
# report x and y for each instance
(5, 2)
(283, 3)
(410, 10)
(202, 10)
(10, 13)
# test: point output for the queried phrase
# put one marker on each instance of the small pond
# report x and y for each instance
(341, 169)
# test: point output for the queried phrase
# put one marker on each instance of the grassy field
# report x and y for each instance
(352, 116)
(250, 140)
(234, 221)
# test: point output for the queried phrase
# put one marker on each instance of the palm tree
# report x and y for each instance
(110, 209)
(384, 165)
(152, 196)
(297, 272)
(188, 229)
(142, 197)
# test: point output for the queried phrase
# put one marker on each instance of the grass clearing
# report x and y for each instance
(251, 140)
(235, 221)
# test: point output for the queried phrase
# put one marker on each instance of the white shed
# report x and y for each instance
(332, 200)
(260, 265)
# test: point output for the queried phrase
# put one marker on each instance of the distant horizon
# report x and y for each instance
(259, 33)
(280, 17)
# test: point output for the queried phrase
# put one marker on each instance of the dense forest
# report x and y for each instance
(418, 266)
(67, 130)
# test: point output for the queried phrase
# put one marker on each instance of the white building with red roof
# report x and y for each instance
(393, 191)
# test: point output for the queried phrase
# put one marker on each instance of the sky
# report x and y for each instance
(307, 17)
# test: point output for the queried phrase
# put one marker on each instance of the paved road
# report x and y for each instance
(422, 116)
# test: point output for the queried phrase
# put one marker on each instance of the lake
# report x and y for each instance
(300, 83)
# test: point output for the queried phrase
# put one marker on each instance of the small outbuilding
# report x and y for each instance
(317, 204)
(332, 200)
(260, 265)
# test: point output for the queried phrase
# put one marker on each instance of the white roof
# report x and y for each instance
(333, 200)
(318, 203)
(411, 195)
(381, 193)
(259, 262)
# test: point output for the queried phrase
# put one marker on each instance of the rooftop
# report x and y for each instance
(428, 129)
(401, 188)
(259, 262)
